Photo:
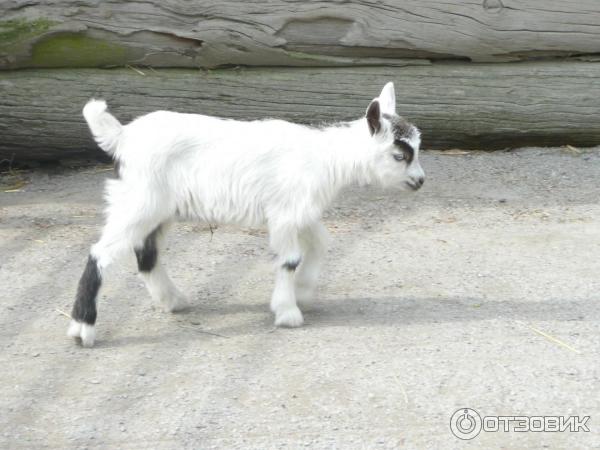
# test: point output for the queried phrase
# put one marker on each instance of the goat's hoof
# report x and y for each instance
(291, 317)
(83, 331)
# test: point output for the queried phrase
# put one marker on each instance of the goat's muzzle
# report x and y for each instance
(416, 183)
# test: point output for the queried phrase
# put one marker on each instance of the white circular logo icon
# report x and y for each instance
(465, 423)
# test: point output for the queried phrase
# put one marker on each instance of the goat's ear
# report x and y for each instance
(387, 98)
(374, 117)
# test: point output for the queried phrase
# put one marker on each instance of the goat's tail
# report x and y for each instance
(104, 126)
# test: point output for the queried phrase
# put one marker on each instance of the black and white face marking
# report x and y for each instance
(406, 154)
(406, 149)
(397, 143)
(405, 135)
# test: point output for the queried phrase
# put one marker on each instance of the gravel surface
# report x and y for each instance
(479, 291)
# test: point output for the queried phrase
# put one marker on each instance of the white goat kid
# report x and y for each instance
(189, 166)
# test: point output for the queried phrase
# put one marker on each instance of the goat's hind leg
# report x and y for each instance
(83, 314)
(157, 281)
(111, 246)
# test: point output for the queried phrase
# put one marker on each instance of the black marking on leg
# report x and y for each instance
(291, 265)
(148, 254)
(84, 308)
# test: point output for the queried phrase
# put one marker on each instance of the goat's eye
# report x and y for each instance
(398, 157)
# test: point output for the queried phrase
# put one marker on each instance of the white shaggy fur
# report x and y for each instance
(83, 331)
(74, 329)
(284, 175)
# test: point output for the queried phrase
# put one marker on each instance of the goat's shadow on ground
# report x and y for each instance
(197, 321)
(406, 311)
(108, 341)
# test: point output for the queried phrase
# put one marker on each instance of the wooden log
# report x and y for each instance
(214, 33)
(473, 106)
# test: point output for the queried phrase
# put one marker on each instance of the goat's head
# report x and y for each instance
(396, 143)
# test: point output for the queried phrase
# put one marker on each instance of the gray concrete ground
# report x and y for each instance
(429, 302)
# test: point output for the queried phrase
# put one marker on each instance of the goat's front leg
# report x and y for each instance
(283, 302)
